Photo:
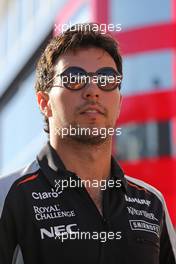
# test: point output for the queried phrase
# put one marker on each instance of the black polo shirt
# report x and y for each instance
(52, 224)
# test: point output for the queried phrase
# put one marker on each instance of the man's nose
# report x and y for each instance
(91, 91)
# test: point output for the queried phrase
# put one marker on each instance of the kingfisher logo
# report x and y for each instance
(56, 231)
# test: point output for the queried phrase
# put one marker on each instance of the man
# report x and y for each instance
(74, 204)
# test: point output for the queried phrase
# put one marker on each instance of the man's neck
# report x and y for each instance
(87, 161)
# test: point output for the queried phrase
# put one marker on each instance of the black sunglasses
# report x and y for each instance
(76, 78)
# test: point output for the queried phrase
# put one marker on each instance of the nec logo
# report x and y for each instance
(56, 231)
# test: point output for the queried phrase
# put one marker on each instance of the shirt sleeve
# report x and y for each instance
(167, 242)
(8, 237)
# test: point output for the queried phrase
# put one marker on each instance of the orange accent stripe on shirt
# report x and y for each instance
(30, 178)
(137, 187)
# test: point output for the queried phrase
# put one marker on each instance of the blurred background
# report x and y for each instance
(147, 147)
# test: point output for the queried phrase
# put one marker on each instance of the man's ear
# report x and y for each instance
(121, 98)
(44, 103)
(120, 104)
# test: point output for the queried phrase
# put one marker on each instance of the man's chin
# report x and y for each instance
(87, 135)
(89, 140)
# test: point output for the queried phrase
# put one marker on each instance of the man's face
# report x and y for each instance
(68, 106)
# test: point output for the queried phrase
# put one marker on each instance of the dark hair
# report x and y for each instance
(78, 36)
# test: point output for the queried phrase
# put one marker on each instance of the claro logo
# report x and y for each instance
(56, 231)
(46, 195)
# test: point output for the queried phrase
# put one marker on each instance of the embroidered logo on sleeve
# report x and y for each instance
(137, 200)
(144, 226)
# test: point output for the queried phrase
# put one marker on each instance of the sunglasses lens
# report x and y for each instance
(108, 79)
(73, 78)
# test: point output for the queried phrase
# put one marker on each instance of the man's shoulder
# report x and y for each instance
(144, 186)
(152, 194)
(148, 190)
(141, 189)
(7, 182)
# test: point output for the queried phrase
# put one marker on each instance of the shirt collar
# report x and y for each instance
(53, 167)
(117, 173)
